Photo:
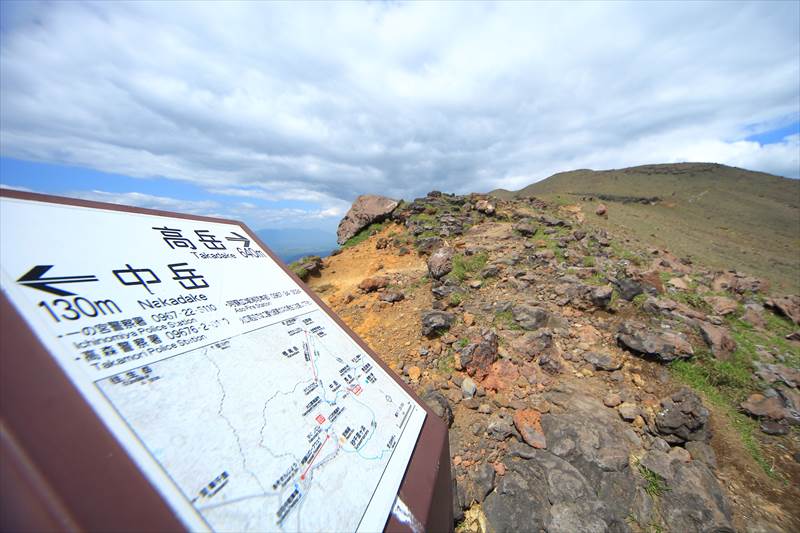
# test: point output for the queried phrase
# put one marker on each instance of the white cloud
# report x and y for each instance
(321, 102)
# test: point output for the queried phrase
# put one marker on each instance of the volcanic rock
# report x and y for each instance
(719, 340)
(366, 210)
(440, 262)
(664, 346)
(682, 418)
(434, 322)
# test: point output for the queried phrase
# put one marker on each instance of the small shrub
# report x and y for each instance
(463, 266)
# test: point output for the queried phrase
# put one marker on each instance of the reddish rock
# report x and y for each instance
(529, 424)
(753, 315)
(759, 406)
(501, 376)
(722, 305)
(788, 306)
(477, 357)
(601, 210)
(373, 284)
(739, 283)
(719, 340)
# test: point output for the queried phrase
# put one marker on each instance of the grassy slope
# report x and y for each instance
(723, 217)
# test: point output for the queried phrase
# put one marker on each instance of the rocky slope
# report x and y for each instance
(719, 215)
(588, 385)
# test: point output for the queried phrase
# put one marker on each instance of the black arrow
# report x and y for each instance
(33, 278)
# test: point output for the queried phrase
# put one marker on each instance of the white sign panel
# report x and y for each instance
(243, 402)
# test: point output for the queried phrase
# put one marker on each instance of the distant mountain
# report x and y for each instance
(291, 244)
(727, 217)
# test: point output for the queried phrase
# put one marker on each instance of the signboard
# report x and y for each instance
(244, 402)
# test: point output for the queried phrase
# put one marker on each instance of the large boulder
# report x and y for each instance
(366, 210)
(665, 346)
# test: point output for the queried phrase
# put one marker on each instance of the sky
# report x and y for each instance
(280, 114)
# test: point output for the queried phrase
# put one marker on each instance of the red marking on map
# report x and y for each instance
(302, 477)
(320, 419)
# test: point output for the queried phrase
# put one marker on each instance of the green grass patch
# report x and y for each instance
(424, 218)
(773, 338)
(640, 299)
(506, 319)
(656, 486)
(418, 283)
(462, 343)
(588, 261)
(456, 298)
(700, 379)
(446, 364)
(297, 266)
(598, 278)
(464, 266)
(691, 299)
(364, 234)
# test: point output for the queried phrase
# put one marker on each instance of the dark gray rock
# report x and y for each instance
(553, 222)
(664, 346)
(601, 296)
(682, 418)
(628, 288)
(658, 462)
(439, 405)
(695, 500)
(700, 451)
(426, 245)
(602, 361)
(525, 227)
(531, 317)
(544, 493)
(500, 426)
(458, 499)
(479, 483)
(391, 297)
(434, 322)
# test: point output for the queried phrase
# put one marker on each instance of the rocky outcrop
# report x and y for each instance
(531, 317)
(788, 306)
(367, 209)
(683, 418)
(664, 346)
